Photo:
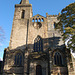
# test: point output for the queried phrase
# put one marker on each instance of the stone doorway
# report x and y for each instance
(38, 70)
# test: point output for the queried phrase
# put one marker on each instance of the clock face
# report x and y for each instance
(37, 25)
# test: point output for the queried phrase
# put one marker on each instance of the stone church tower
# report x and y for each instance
(35, 47)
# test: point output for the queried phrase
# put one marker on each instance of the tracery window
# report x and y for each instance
(58, 59)
(18, 59)
(38, 44)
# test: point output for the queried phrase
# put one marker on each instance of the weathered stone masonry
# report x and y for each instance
(35, 47)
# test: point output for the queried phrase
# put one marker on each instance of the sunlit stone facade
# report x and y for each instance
(35, 47)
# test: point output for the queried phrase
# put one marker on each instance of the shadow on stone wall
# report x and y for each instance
(28, 55)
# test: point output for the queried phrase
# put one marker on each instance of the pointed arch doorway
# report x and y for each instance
(38, 70)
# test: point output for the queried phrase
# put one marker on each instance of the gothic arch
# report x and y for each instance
(38, 44)
(18, 59)
(58, 59)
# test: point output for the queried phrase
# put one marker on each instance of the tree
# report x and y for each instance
(66, 24)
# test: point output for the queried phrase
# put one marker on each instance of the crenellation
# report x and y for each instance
(51, 15)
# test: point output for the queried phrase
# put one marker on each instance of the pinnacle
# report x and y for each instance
(24, 2)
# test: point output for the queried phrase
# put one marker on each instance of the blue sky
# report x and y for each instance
(52, 7)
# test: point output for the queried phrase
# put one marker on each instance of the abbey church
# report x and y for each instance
(35, 47)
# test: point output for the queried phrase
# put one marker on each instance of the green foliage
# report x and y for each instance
(66, 24)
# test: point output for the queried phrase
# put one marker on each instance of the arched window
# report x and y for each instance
(33, 20)
(58, 59)
(38, 44)
(54, 24)
(36, 20)
(18, 59)
(42, 20)
(23, 14)
(39, 20)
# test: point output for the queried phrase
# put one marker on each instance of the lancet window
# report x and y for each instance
(58, 59)
(23, 14)
(18, 59)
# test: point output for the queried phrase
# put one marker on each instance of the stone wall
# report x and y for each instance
(54, 35)
(19, 27)
(71, 66)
